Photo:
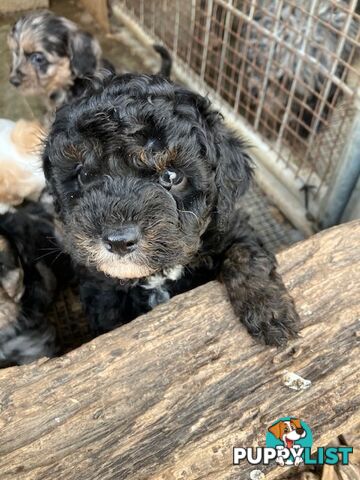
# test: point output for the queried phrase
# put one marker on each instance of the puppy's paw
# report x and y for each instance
(264, 306)
(269, 314)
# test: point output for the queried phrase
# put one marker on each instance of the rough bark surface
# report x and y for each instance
(169, 395)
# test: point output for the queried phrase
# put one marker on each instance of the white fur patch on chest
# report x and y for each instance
(157, 280)
(156, 283)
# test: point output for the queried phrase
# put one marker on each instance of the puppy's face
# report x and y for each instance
(48, 52)
(288, 431)
(135, 172)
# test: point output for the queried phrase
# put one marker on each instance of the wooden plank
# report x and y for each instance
(170, 394)
(99, 10)
(9, 6)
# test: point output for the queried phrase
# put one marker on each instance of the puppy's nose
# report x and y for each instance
(300, 431)
(122, 240)
(14, 80)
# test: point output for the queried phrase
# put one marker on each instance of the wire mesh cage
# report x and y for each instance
(290, 68)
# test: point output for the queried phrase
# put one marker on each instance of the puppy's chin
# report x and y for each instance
(123, 269)
(30, 90)
(130, 266)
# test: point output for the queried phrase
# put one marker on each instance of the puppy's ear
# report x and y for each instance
(84, 53)
(233, 172)
(226, 154)
(276, 430)
(296, 422)
(229, 160)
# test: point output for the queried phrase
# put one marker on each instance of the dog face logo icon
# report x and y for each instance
(289, 436)
(288, 431)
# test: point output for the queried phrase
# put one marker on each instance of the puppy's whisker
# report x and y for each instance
(51, 239)
(50, 249)
(57, 257)
(192, 213)
(51, 252)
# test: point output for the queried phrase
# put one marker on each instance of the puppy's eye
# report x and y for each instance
(171, 179)
(81, 174)
(37, 58)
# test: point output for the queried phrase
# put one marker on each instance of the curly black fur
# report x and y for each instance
(141, 155)
(31, 264)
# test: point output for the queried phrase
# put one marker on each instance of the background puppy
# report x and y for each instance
(145, 178)
(30, 266)
(51, 55)
(48, 54)
(21, 173)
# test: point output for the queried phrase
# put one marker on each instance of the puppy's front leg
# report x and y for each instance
(104, 305)
(257, 292)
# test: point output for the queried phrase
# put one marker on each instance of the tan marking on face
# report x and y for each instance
(129, 266)
(124, 270)
(158, 161)
(30, 41)
(143, 156)
(74, 153)
(59, 78)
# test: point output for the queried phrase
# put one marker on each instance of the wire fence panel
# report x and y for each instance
(289, 67)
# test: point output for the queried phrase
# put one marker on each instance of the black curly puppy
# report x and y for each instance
(30, 266)
(145, 178)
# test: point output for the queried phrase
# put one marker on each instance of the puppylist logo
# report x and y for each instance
(288, 442)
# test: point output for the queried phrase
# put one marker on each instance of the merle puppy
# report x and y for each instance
(51, 56)
(145, 178)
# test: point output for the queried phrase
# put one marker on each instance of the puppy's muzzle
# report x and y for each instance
(123, 240)
(16, 80)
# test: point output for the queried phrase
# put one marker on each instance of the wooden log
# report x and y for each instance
(169, 395)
